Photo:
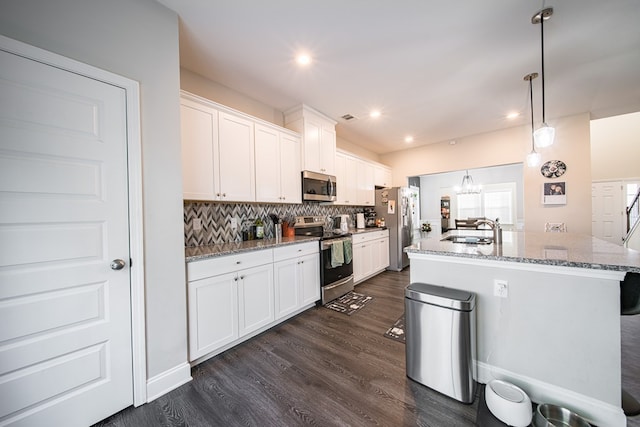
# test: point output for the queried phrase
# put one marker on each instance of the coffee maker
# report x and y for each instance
(369, 217)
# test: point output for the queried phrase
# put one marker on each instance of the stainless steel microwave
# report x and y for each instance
(318, 187)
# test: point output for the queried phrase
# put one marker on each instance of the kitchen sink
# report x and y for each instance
(472, 240)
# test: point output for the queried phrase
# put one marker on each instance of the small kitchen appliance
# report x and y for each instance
(342, 223)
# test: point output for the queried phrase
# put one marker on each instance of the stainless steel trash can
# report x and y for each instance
(440, 333)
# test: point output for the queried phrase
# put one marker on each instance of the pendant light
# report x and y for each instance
(544, 135)
(533, 158)
(467, 186)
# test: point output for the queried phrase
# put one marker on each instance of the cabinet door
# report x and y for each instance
(290, 168)
(267, 150)
(351, 181)
(309, 278)
(383, 247)
(199, 139)
(366, 189)
(328, 149)
(237, 167)
(213, 313)
(381, 176)
(287, 289)
(358, 262)
(312, 134)
(255, 297)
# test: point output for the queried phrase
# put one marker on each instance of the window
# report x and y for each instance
(495, 201)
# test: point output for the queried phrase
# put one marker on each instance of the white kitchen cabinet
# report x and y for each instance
(213, 313)
(236, 165)
(370, 254)
(347, 179)
(217, 152)
(296, 277)
(381, 176)
(255, 298)
(228, 298)
(277, 166)
(199, 136)
(366, 190)
(318, 138)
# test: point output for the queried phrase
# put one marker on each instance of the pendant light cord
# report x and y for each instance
(544, 121)
(531, 101)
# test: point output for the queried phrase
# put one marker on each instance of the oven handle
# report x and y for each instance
(340, 283)
(327, 243)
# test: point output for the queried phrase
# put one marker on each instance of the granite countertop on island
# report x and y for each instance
(197, 253)
(558, 249)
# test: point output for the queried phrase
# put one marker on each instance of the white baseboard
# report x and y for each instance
(168, 380)
(593, 410)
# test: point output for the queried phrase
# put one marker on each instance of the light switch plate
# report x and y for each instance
(196, 224)
(234, 223)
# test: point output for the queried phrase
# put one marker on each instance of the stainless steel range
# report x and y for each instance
(336, 278)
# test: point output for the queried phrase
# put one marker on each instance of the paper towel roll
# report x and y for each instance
(360, 220)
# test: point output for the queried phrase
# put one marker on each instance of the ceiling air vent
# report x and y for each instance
(348, 117)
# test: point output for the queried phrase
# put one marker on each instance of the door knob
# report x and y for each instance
(117, 264)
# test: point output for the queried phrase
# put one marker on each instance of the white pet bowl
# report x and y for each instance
(508, 403)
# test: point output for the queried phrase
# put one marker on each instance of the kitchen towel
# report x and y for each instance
(348, 251)
(337, 254)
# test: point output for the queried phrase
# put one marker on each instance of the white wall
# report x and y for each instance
(137, 39)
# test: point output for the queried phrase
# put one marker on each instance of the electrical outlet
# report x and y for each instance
(196, 224)
(501, 288)
(234, 223)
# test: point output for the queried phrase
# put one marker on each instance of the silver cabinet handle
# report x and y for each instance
(117, 264)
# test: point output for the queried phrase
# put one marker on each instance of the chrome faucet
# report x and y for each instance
(495, 226)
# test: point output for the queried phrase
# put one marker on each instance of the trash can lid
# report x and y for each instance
(441, 296)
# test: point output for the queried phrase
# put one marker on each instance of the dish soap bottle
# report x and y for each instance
(259, 229)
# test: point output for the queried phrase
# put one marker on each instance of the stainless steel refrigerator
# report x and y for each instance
(400, 208)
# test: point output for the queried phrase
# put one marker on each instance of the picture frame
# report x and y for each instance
(554, 193)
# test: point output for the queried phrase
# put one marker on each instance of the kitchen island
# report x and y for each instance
(556, 334)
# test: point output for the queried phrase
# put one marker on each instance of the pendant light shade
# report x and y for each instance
(533, 158)
(545, 135)
(467, 186)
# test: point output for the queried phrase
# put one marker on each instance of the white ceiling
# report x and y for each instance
(438, 70)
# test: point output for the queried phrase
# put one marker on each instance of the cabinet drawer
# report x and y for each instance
(228, 263)
(292, 251)
(369, 236)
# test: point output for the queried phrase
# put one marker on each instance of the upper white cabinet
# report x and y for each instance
(199, 135)
(318, 141)
(381, 176)
(236, 167)
(217, 152)
(277, 166)
(346, 179)
(366, 189)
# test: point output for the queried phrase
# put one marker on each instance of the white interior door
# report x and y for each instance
(65, 340)
(607, 206)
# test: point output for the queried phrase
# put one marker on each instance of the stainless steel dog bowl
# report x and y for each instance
(548, 415)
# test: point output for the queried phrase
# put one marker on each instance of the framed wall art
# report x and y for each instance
(554, 193)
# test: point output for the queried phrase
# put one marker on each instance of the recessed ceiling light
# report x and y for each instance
(375, 114)
(408, 139)
(513, 115)
(303, 59)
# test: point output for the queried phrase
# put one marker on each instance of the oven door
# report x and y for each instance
(330, 274)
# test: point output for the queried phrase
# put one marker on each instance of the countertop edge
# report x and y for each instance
(223, 249)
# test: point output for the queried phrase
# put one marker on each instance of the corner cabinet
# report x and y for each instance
(370, 254)
(234, 297)
(318, 138)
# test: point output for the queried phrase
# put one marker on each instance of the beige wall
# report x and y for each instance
(201, 86)
(511, 146)
(359, 151)
(615, 148)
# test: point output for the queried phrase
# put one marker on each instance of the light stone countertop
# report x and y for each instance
(557, 249)
(203, 252)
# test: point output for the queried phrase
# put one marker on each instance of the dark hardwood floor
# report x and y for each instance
(324, 368)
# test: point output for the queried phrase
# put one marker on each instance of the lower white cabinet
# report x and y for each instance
(296, 277)
(233, 297)
(370, 254)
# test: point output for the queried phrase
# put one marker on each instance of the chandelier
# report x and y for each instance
(467, 186)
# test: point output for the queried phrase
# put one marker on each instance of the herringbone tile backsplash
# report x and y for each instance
(216, 218)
